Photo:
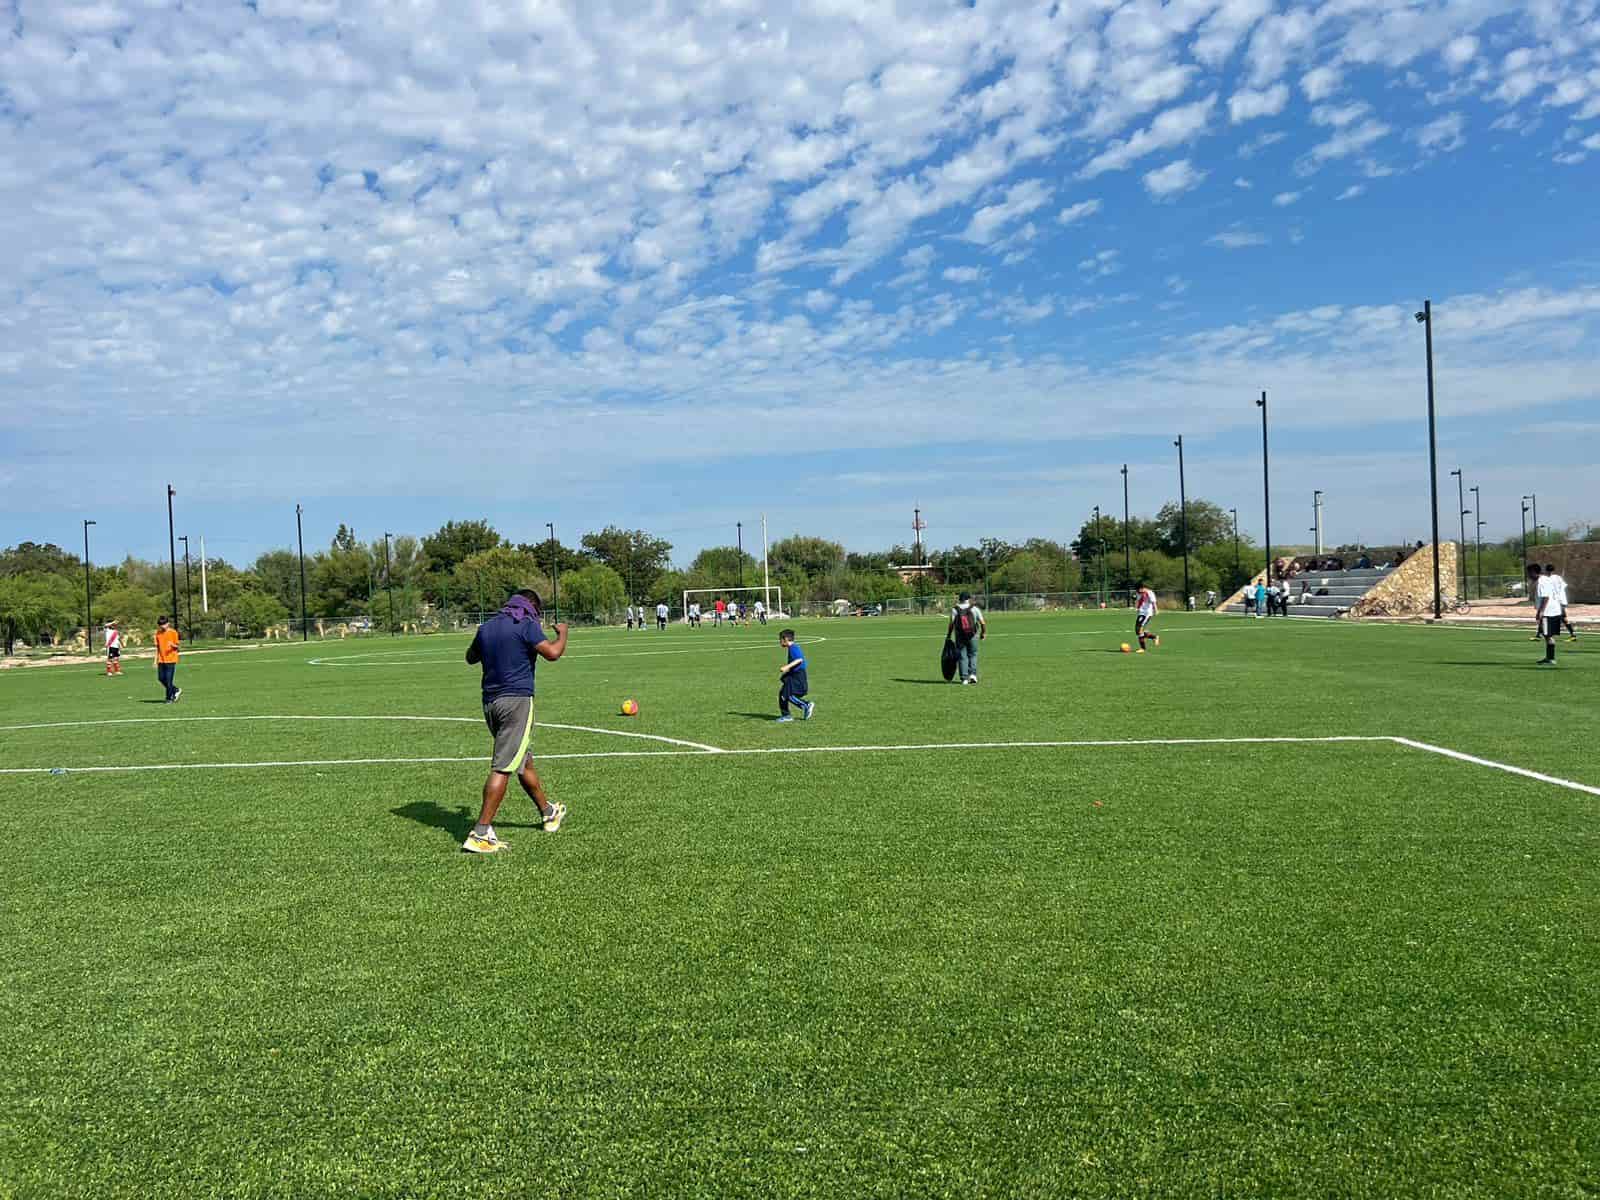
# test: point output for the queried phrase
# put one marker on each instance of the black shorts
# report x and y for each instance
(113, 651)
(1140, 622)
(1552, 627)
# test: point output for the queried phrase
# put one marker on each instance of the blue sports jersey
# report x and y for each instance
(797, 674)
(507, 650)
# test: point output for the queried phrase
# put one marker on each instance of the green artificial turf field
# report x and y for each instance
(1264, 968)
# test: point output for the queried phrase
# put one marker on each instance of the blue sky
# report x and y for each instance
(677, 267)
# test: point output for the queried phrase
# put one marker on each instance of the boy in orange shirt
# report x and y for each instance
(167, 658)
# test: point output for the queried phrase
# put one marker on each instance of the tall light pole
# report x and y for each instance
(1127, 541)
(300, 537)
(1461, 503)
(172, 554)
(1316, 519)
(188, 585)
(1534, 499)
(555, 571)
(1102, 542)
(738, 530)
(388, 581)
(1425, 319)
(88, 601)
(1266, 482)
(1183, 518)
(1236, 567)
(1524, 537)
(1477, 508)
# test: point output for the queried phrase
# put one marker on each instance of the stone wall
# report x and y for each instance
(1407, 591)
(1578, 563)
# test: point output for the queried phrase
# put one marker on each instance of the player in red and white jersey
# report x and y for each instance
(1146, 610)
(113, 649)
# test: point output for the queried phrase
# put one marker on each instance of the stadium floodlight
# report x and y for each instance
(555, 571)
(1183, 516)
(300, 538)
(1266, 483)
(388, 581)
(1461, 503)
(1477, 508)
(172, 554)
(1127, 543)
(88, 599)
(1425, 319)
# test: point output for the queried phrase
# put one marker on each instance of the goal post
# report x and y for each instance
(706, 597)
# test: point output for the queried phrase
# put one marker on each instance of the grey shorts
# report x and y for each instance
(510, 720)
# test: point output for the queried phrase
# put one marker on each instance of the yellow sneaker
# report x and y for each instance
(552, 823)
(482, 845)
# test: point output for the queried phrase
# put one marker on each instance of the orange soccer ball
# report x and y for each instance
(1127, 649)
(630, 708)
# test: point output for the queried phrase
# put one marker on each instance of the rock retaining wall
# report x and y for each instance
(1407, 591)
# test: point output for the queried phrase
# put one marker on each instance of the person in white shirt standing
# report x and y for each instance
(1551, 608)
(694, 615)
(1141, 622)
(1566, 608)
(661, 616)
(113, 649)
(761, 612)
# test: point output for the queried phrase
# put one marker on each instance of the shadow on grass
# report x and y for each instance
(457, 822)
(152, 701)
(1504, 662)
(750, 716)
(933, 682)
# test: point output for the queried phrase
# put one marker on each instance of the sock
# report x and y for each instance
(481, 830)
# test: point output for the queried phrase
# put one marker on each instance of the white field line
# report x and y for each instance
(698, 750)
(1554, 780)
(701, 747)
(400, 660)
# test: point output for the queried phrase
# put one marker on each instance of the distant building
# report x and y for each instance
(910, 572)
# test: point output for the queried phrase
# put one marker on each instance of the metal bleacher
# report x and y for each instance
(1332, 592)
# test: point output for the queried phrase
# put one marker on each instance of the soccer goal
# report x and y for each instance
(747, 596)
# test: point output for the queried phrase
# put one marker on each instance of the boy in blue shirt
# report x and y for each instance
(793, 674)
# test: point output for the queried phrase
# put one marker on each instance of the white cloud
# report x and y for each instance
(1284, 199)
(1320, 82)
(1247, 105)
(1080, 211)
(1097, 266)
(1351, 192)
(962, 274)
(1020, 200)
(1340, 115)
(819, 301)
(1172, 128)
(1173, 179)
(1460, 51)
(1346, 142)
(1243, 184)
(1443, 134)
(1176, 284)
(1260, 142)
(1237, 238)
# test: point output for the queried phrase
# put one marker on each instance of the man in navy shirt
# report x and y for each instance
(509, 645)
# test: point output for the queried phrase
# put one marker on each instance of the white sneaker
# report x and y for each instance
(552, 823)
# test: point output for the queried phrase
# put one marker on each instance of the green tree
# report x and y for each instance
(36, 605)
(34, 558)
(719, 567)
(550, 553)
(638, 558)
(456, 541)
(805, 557)
(133, 607)
(489, 576)
(1208, 525)
(278, 574)
(250, 612)
(596, 592)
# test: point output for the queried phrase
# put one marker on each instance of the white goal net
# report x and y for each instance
(770, 597)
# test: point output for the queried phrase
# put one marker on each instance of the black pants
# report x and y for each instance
(166, 672)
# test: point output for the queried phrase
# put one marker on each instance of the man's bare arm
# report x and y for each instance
(550, 651)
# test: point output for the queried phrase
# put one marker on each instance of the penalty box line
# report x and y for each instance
(751, 752)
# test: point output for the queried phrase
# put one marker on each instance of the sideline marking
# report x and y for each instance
(346, 660)
(1555, 780)
(700, 747)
